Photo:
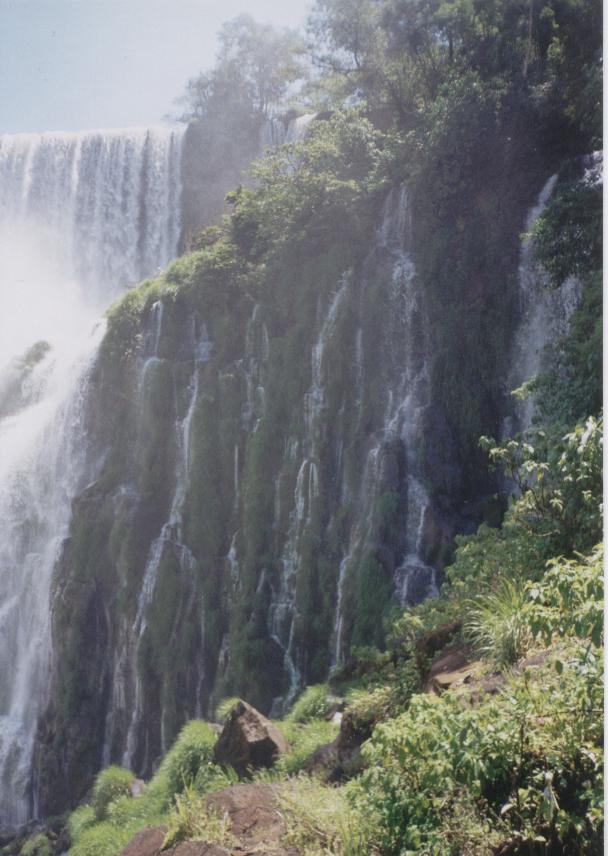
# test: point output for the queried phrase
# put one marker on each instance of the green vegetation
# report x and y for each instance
(37, 846)
(173, 797)
(303, 740)
(190, 761)
(111, 783)
(314, 703)
(191, 820)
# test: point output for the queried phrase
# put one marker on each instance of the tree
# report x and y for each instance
(256, 66)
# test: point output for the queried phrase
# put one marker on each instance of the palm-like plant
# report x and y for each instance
(497, 625)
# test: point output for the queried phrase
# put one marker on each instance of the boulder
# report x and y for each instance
(249, 741)
(149, 842)
(452, 668)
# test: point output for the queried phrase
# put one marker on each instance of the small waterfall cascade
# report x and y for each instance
(544, 315)
(126, 709)
(276, 132)
(283, 611)
(407, 399)
(82, 215)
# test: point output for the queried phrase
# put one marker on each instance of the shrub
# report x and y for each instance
(320, 820)
(314, 703)
(224, 708)
(37, 846)
(531, 757)
(80, 819)
(497, 625)
(191, 753)
(103, 839)
(303, 738)
(190, 819)
(111, 783)
(569, 601)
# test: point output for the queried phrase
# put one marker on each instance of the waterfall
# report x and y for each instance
(544, 316)
(276, 132)
(406, 401)
(82, 215)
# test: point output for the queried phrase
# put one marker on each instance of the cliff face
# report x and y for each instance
(269, 475)
(243, 473)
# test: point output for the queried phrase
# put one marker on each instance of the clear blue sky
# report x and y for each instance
(81, 64)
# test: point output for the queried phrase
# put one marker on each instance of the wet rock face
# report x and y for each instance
(249, 741)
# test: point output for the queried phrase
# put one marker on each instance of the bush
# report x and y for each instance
(37, 846)
(497, 625)
(103, 839)
(303, 739)
(80, 819)
(111, 783)
(569, 601)
(224, 709)
(531, 757)
(191, 820)
(314, 703)
(188, 758)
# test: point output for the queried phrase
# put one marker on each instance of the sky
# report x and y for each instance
(69, 65)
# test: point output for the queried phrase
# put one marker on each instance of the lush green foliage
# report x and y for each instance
(569, 599)
(524, 764)
(560, 480)
(190, 760)
(401, 54)
(303, 738)
(314, 703)
(111, 783)
(39, 845)
(191, 820)
(496, 625)
(187, 768)
(313, 190)
(321, 822)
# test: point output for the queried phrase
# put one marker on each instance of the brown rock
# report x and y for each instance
(255, 822)
(248, 740)
(256, 827)
(196, 848)
(451, 669)
(147, 842)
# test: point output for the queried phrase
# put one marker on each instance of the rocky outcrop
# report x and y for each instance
(149, 842)
(249, 741)
(340, 759)
(452, 668)
(256, 826)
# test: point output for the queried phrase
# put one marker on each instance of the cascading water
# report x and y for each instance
(407, 399)
(275, 132)
(544, 316)
(81, 216)
(127, 702)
